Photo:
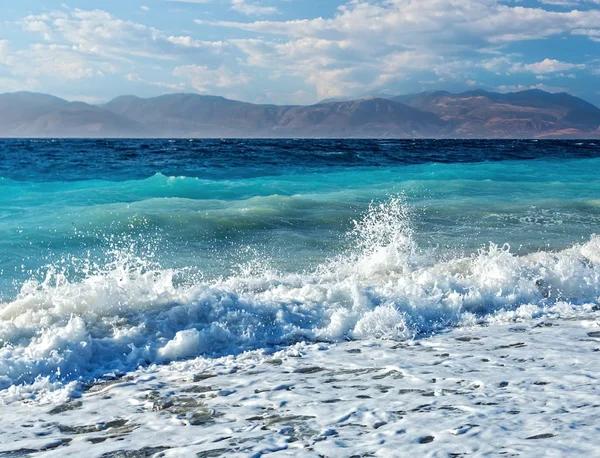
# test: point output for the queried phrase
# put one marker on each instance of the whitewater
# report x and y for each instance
(303, 298)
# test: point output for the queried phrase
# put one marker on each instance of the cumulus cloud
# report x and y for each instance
(371, 45)
(59, 61)
(99, 32)
(189, 42)
(506, 65)
(404, 22)
(88, 44)
(592, 34)
(549, 66)
(364, 46)
(38, 26)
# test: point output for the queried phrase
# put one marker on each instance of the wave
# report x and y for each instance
(131, 312)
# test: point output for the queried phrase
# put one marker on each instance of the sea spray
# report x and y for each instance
(132, 312)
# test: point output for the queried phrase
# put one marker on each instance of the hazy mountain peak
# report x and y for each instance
(475, 113)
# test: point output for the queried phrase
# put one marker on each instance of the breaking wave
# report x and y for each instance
(131, 312)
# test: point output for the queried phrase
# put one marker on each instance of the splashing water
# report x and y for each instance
(131, 312)
(384, 239)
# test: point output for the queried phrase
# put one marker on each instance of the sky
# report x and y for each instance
(297, 51)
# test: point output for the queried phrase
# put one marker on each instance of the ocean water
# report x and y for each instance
(116, 254)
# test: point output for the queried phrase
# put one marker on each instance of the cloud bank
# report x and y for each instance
(268, 54)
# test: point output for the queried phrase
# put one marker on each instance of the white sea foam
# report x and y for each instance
(131, 312)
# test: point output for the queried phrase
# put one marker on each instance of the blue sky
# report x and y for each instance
(297, 51)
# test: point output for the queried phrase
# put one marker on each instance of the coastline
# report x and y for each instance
(520, 388)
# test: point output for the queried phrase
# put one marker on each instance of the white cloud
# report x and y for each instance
(247, 7)
(90, 99)
(300, 97)
(98, 32)
(88, 44)
(205, 79)
(568, 3)
(333, 67)
(564, 3)
(135, 78)
(59, 61)
(19, 84)
(548, 66)
(523, 87)
(252, 8)
(4, 46)
(366, 46)
(144, 8)
(592, 34)
(370, 45)
(404, 22)
(505, 65)
(497, 64)
(189, 42)
(39, 27)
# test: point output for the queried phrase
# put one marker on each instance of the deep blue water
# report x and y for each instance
(72, 160)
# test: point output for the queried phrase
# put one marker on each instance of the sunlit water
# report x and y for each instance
(122, 253)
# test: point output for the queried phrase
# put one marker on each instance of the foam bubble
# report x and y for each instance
(130, 312)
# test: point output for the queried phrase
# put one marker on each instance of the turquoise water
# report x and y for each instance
(532, 205)
(148, 252)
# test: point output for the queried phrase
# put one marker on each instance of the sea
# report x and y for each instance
(132, 269)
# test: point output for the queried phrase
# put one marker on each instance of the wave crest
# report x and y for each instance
(131, 312)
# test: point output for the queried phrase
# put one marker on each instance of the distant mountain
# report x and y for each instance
(381, 95)
(25, 114)
(360, 118)
(474, 114)
(197, 115)
(531, 113)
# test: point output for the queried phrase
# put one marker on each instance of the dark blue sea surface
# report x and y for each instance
(72, 160)
(114, 252)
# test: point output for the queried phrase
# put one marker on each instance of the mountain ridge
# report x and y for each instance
(432, 114)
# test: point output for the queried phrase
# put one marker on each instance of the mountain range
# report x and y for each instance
(438, 114)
